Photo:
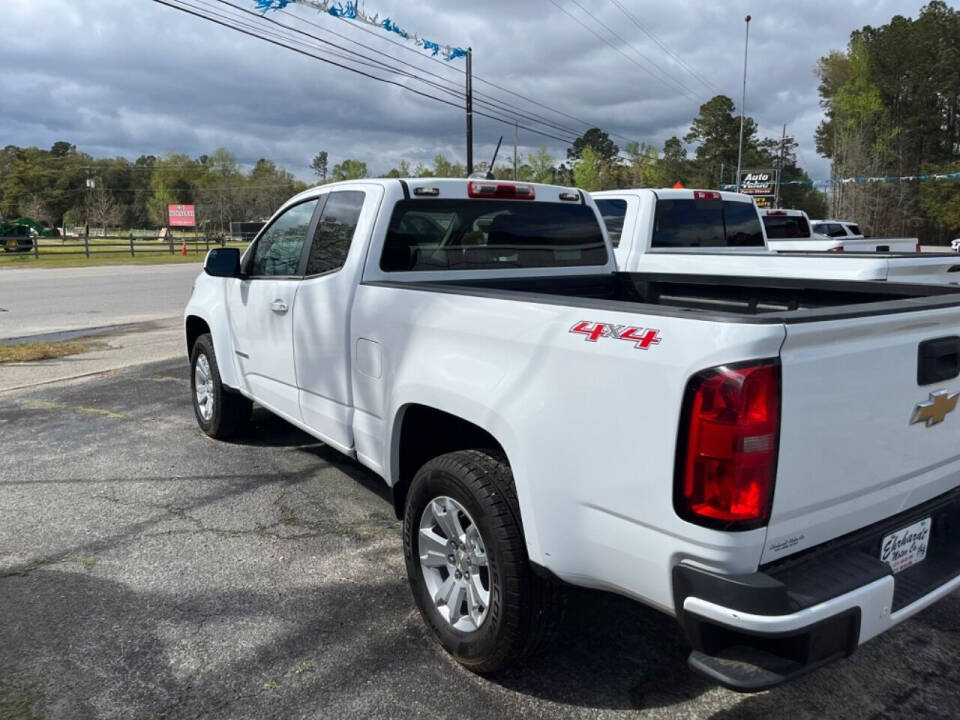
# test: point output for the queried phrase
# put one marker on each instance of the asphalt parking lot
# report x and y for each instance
(147, 571)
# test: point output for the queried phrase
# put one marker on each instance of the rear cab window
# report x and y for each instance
(787, 227)
(613, 213)
(709, 222)
(460, 234)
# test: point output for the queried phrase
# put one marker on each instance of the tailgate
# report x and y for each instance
(926, 269)
(850, 454)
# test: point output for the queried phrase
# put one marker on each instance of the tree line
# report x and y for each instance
(892, 109)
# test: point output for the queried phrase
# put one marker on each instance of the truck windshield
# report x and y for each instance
(706, 223)
(474, 234)
(787, 227)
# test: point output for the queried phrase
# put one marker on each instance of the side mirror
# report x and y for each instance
(222, 262)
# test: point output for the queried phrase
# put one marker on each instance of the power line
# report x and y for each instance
(495, 105)
(666, 49)
(198, 12)
(476, 78)
(619, 37)
(490, 100)
(678, 87)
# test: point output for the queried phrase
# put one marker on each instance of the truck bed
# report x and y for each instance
(721, 298)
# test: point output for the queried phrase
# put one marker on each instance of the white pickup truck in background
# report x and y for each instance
(772, 461)
(850, 238)
(720, 233)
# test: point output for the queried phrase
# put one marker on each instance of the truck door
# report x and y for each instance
(260, 307)
(322, 346)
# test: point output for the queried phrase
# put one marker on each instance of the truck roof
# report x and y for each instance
(432, 187)
(775, 212)
(676, 193)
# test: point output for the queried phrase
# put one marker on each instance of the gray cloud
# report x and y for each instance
(118, 77)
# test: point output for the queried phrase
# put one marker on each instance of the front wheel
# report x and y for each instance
(220, 412)
(467, 562)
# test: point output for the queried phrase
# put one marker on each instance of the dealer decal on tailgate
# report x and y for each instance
(642, 338)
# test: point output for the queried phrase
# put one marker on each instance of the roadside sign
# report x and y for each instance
(182, 215)
(763, 202)
(759, 183)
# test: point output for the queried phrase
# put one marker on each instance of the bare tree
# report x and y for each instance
(103, 209)
(34, 207)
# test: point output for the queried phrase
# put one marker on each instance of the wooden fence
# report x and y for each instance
(131, 244)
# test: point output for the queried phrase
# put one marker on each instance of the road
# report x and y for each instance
(148, 571)
(34, 301)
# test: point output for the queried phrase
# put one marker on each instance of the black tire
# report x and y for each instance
(524, 609)
(231, 410)
(11, 244)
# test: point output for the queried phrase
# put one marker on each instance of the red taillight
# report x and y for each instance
(919, 249)
(728, 451)
(838, 248)
(493, 189)
(705, 195)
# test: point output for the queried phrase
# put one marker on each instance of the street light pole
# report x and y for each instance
(743, 100)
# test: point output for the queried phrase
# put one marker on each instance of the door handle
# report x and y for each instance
(279, 306)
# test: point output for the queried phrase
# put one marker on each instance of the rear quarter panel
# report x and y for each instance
(590, 428)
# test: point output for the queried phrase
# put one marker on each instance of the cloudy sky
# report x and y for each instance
(126, 77)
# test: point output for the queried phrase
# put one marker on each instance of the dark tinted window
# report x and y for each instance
(469, 234)
(613, 212)
(706, 223)
(786, 227)
(830, 229)
(331, 241)
(280, 247)
(855, 229)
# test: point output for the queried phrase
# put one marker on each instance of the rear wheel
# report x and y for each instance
(11, 244)
(467, 562)
(220, 412)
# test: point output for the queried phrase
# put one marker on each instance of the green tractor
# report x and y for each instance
(17, 235)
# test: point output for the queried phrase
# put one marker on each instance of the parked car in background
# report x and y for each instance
(720, 233)
(955, 245)
(851, 238)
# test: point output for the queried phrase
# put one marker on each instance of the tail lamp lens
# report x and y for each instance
(728, 456)
(838, 248)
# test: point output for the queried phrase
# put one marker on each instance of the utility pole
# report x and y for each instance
(743, 100)
(469, 97)
(516, 138)
(781, 158)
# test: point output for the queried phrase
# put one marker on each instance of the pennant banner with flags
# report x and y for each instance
(350, 11)
(862, 179)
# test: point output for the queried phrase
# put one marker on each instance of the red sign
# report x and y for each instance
(182, 215)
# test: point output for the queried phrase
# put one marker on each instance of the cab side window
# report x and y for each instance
(280, 247)
(331, 241)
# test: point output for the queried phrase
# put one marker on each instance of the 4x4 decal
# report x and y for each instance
(642, 338)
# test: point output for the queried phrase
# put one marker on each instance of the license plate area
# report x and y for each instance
(907, 546)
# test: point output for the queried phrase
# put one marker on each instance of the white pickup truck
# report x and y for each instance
(850, 238)
(720, 233)
(771, 461)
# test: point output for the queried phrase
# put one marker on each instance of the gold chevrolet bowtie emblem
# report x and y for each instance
(935, 409)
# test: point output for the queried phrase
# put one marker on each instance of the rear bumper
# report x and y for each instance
(751, 632)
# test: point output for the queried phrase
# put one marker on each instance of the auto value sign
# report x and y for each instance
(182, 215)
(759, 183)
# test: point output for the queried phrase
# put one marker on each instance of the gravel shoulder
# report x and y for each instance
(148, 571)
